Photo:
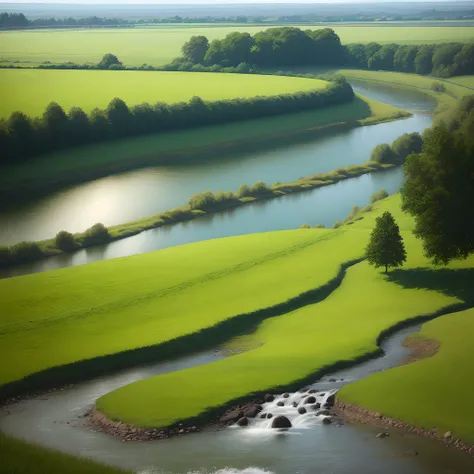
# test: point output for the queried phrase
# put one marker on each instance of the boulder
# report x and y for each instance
(382, 435)
(332, 380)
(263, 416)
(269, 415)
(448, 435)
(286, 395)
(294, 404)
(281, 404)
(310, 400)
(269, 397)
(281, 422)
(301, 410)
(322, 412)
(252, 411)
(243, 421)
(327, 421)
(317, 405)
(312, 391)
(232, 416)
(303, 390)
(331, 400)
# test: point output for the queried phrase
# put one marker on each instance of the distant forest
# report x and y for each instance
(20, 20)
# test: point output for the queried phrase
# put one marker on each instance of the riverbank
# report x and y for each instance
(49, 248)
(58, 170)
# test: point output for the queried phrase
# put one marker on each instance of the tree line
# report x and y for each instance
(22, 137)
(289, 46)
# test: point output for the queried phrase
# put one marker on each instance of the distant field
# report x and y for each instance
(160, 45)
(30, 91)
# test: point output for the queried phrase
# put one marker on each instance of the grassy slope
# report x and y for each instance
(30, 91)
(444, 398)
(292, 346)
(118, 304)
(81, 160)
(19, 457)
(160, 45)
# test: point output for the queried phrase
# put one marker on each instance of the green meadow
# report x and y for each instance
(30, 91)
(291, 347)
(170, 146)
(160, 45)
(19, 457)
(444, 398)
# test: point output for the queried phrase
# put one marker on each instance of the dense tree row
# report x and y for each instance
(22, 137)
(439, 187)
(288, 46)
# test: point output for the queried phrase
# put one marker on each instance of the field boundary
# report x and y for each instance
(206, 338)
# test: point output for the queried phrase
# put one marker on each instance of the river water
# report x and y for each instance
(56, 420)
(123, 197)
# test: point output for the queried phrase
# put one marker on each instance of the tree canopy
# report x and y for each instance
(386, 248)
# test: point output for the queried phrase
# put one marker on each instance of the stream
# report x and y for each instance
(56, 420)
(126, 196)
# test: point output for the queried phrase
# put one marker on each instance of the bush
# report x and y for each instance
(244, 191)
(259, 188)
(202, 201)
(65, 241)
(305, 226)
(224, 196)
(338, 224)
(378, 196)
(383, 154)
(438, 86)
(354, 211)
(320, 226)
(26, 251)
(97, 234)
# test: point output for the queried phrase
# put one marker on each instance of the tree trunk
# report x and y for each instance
(386, 268)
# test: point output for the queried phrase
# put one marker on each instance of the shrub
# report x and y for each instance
(305, 226)
(338, 224)
(223, 196)
(26, 251)
(244, 191)
(320, 226)
(383, 154)
(438, 86)
(407, 144)
(354, 211)
(97, 234)
(203, 200)
(378, 196)
(259, 188)
(65, 241)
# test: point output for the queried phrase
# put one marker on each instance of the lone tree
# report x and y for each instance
(386, 248)
(108, 61)
(195, 49)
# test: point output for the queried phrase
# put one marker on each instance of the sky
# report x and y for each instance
(197, 2)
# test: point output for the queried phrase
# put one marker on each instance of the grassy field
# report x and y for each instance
(30, 91)
(152, 149)
(444, 399)
(19, 457)
(158, 46)
(86, 311)
(292, 346)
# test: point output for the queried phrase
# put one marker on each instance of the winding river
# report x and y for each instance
(57, 420)
(123, 197)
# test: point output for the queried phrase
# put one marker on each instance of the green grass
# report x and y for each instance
(19, 457)
(153, 149)
(443, 399)
(119, 304)
(30, 91)
(157, 46)
(292, 346)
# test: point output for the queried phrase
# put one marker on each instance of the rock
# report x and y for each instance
(327, 421)
(232, 416)
(301, 410)
(263, 416)
(269, 397)
(286, 395)
(317, 405)
(332, 380)
(322, 412)
(243, 421)
(322, 394)
(269, 416)
(382, 434)
(331, 400)
(252, 411)
(310, 400)
(312, 391)
(281, 422)
(294, 404)
(378, 415)
(303, 390)
(448, 435)
(281, 404)
(181, 431)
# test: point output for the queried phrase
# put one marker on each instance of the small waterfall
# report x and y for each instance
(290, 405)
